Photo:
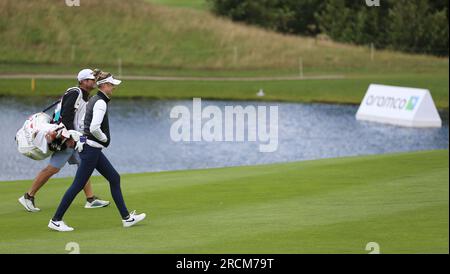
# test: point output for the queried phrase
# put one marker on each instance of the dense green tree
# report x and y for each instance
(418, 26)
(288, 16)
(409, 25)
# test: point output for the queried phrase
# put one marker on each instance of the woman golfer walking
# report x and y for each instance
(96, 129)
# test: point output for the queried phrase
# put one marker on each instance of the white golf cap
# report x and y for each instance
(86, 74)
(110, 80)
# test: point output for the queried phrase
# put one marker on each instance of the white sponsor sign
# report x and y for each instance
(408, 107)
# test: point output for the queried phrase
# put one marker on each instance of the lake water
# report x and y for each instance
(141, 137)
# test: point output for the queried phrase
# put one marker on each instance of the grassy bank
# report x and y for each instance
(326, 206)
(193, 4)
(349, 90)
(140, 33)
(156, 37)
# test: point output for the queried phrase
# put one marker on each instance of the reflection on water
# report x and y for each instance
(141, 137)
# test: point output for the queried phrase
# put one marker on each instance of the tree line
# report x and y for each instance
(416, 26)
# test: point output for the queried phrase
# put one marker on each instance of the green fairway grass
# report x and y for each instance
(399, 201)
(350, 90)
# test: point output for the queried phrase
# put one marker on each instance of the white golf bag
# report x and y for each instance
(31, 140)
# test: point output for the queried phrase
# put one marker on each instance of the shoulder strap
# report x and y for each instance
(57, 113)
(80, 95)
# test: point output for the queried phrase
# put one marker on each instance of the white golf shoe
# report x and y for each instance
(59, 226)
(133, 219)
(97, 203)
(28, 204)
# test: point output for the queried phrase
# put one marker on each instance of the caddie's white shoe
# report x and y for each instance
(28, 203)
(96, 203)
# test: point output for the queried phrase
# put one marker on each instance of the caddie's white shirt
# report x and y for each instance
(78, 121)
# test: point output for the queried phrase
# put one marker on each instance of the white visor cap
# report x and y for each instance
(110, 80)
